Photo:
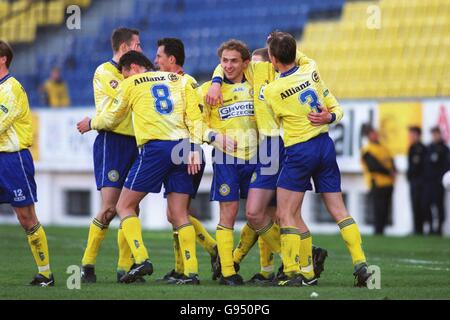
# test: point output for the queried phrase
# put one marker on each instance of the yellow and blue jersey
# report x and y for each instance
(235, 118)
(17, 183)
(16, 129)
(294, 95)
(106, 80)
(259, 75)
(164, 106)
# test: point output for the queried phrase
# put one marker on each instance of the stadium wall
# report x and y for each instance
(67, 194)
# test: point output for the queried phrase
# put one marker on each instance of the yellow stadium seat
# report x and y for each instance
(406, 57)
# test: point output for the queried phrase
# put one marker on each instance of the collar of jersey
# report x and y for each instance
(289, 72)
(115, 64)
(5, 78)
(225, 80)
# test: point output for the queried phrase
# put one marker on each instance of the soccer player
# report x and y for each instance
(232, 170)
(17, 184)
(166, 115)
(306, 107)
(114, 152)
(170, 58)
(260, 209)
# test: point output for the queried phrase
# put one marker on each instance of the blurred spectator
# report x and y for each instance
(379, 171)
(437, 163)
(416, 177)
(54, 90)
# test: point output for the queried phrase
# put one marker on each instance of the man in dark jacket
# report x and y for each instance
(437, 163)
(416, 177)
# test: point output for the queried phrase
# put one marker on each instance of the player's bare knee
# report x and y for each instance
(254, 217)
(107, 214)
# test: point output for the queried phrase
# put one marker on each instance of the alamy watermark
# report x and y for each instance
(73, 21)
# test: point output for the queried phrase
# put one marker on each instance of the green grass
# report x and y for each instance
(411, 268)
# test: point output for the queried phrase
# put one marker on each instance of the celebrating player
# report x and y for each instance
(114, 152)
(232, 170)
(17, 185)
(305, 107)
(170, 58)
(260, 209)
(162, 133)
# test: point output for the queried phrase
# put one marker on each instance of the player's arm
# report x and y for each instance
(331, 111)
(111, 115)
(115, 112)
(9, 112)
(214, 95)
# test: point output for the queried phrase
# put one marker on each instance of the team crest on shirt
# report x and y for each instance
(173, 77)
(254, 176)
(224, 190)
(113, 176)
(113, 84)
(315, 76)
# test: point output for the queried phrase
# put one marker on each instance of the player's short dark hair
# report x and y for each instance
(435, 130)
(6, 51)
(237, 45)
(367, 129)
(134, 57)
(173, 47)
(283, 47)
(416, 130)
(263, 52)
(122, 35)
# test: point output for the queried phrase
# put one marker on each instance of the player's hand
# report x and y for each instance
(194, 163)
(226, 143)
(318, 119)
(84, 125)
(214, 95)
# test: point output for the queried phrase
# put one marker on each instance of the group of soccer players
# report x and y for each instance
(151, 125)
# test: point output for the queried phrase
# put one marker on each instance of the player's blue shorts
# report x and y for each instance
(196, 179)
(270, 161)
(114, 154)
(17, 185)
(231, 179)
(316, 159)
(161, 162)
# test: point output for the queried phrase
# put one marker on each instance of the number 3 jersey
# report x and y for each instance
(294, 95)
(164, 106)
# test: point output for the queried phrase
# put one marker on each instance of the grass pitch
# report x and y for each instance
(411, 268)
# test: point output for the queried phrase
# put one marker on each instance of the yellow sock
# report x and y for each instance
(126, 259)
(224, 237)
(186, 237)
(290, 248)
(265, 258)
(177, 253)
(352, 239)
(97, 233)
(203, 237)
(246, 242)
(306, 262)
(271, 235)
(132, 229)
(39, 247)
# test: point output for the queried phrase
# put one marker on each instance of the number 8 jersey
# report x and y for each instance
(295, 94)
(164, 106)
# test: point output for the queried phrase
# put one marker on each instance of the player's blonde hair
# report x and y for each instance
(237, 45)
